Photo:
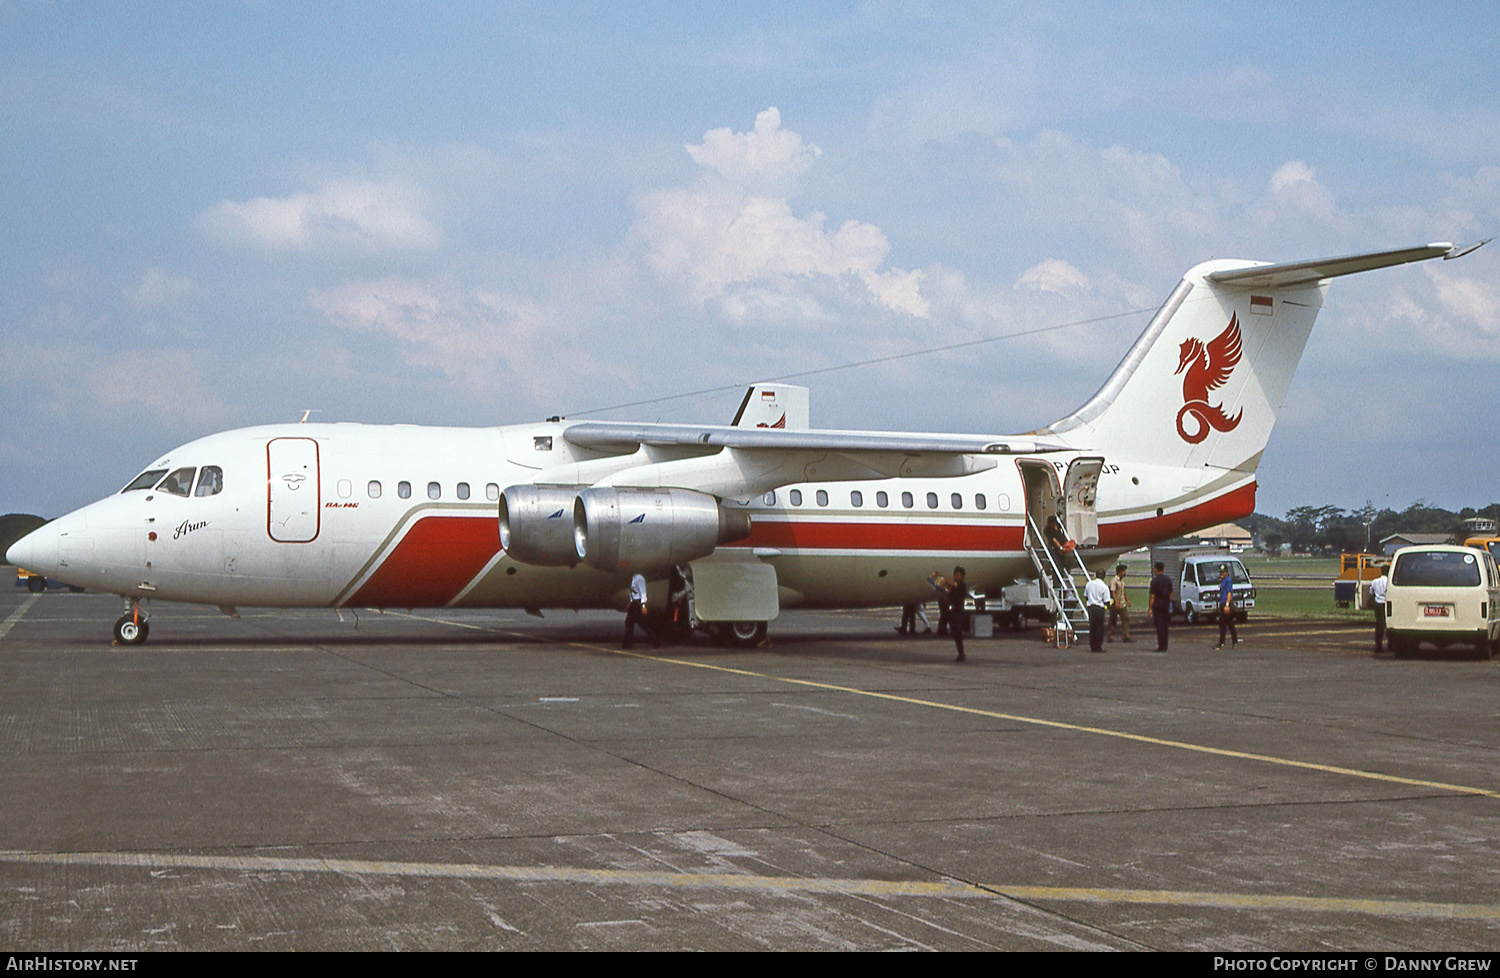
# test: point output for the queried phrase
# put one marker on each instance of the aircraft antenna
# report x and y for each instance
(925, 351)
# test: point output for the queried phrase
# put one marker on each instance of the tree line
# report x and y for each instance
(1332, 529)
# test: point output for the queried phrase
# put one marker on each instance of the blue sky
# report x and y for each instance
(216, 215)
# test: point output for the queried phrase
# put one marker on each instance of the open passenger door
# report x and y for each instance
(1080, 493)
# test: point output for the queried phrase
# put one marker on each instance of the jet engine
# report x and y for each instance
(651, 529)
(536, 525)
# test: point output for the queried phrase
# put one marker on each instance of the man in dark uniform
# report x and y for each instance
(958, 616)
(1161, 603)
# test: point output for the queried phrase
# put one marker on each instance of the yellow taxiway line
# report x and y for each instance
(947, 888)
(1461, 789)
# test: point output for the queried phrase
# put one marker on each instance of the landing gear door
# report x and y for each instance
(294, 490)
(1080, 494)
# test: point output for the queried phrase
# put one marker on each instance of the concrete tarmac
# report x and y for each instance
(488, 780)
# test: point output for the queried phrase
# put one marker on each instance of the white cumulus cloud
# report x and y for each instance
(1294, 195)
(1053, 275)
(768, 155)
(721, 235)
(362, 216)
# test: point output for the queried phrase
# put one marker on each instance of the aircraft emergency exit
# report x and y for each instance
(761, 514)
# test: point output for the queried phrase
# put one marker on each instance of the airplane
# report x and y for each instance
(762, 514)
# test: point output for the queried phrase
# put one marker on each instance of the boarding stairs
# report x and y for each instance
(1056, 573)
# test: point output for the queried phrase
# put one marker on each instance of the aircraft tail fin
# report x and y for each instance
(1203, 384)
(768, 405)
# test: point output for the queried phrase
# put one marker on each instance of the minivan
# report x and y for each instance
(1445, 595)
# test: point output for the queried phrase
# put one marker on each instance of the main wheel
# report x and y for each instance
(128, 631)
(741, 634)
(36, 584)
(1190, 615)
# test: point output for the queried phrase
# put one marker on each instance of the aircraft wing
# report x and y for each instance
(605, 434)
(739, 463)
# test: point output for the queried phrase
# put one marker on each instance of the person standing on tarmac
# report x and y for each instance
(636, 615)
(1226, 607)
(1161, 604)
(958, 615)
(940, 584)
(1096, 601)
(1377, 595)
(1119, 608)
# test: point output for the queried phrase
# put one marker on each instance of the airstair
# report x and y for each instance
(1055, 571)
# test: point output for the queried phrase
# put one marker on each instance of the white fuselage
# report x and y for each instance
(406, 516)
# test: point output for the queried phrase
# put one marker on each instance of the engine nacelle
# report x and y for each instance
(651, 529)
(536, 525)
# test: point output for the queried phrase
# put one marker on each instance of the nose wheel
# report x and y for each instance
(132, 627)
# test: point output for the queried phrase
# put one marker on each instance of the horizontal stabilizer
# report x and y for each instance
(1306, 272)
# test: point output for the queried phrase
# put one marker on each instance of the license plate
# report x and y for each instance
(1437, 611)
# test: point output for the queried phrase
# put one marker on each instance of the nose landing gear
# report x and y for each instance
(132, 627)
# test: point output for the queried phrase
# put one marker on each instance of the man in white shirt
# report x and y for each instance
(1377, 595)
(636, 614)
(1096, 601)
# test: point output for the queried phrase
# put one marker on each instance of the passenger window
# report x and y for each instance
(403, 489)
(822, 497)
(210, 481)
(856, 498)
(882, 500)
(145, 480)
(958, 501)
(906, 500)
(979, 501)
(492, 492)
(796, 495)
(179, 483)
(770, 499)
(932, 500)
(463, 490)
(346, 488)
(374, 488)
(434, 491)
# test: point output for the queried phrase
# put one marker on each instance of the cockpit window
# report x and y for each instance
(210, 481)
(145, 480)
(178, 483)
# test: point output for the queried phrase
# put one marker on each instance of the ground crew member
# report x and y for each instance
(1096, 601)
(1120, 605)
(1160, 604)
(1226, 607)
(958, 615)
(636, 614)
(1377, 595)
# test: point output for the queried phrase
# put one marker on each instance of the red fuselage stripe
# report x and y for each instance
(440, 555)
(432, 563)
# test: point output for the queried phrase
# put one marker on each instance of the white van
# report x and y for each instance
(1194, 573)
(1444, 595)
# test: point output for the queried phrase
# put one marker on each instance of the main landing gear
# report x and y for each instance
(132, 627)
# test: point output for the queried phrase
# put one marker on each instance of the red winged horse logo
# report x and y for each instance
(1207, 369)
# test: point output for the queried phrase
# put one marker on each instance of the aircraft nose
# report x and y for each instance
(36, 551)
